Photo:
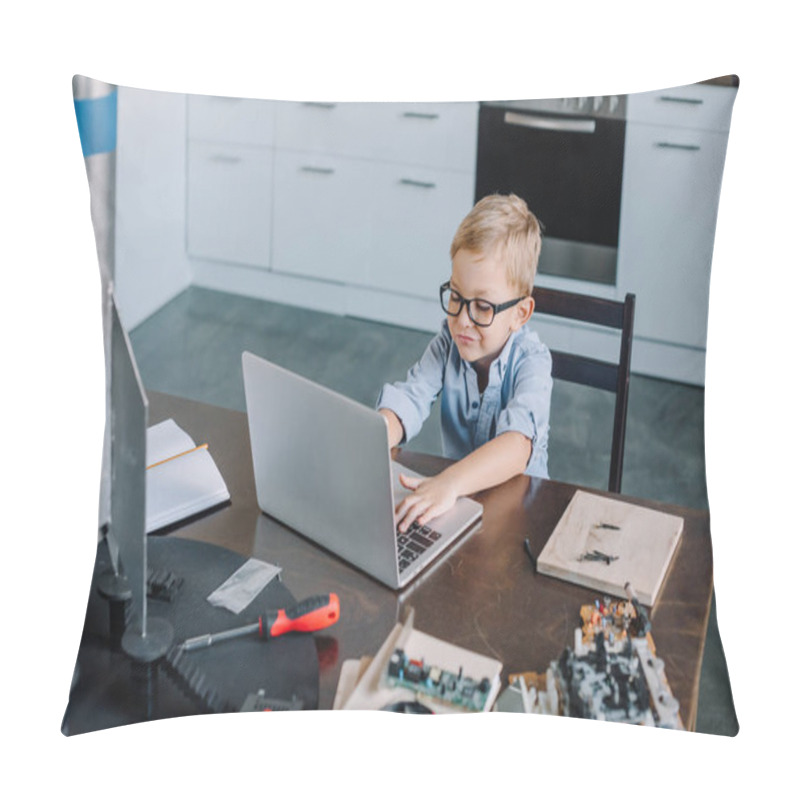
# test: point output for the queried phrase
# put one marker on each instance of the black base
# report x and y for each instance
(119, 686)
(152, 645)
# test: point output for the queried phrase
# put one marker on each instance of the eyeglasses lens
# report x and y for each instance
(480, 311)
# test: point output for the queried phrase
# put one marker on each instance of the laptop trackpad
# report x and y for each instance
(398, 490)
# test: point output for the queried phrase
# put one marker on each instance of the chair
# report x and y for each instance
(612, 377)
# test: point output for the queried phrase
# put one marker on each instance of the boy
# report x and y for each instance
(492, 371)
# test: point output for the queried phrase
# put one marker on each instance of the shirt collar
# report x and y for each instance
(500, 364)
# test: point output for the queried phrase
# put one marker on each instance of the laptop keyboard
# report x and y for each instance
(414, 542)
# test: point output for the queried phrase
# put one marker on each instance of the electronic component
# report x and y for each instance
(162, 584)
(617, 620)
(432, 681)
(602, 685)
(260, 702)
(612, 674)
(627, 685)
(407, 707)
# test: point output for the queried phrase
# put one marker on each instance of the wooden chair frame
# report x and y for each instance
(588, 371)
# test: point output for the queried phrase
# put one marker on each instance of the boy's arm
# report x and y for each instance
(395, 426)
(408, 403)
(491, 464)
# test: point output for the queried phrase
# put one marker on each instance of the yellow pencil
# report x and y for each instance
(178, 455)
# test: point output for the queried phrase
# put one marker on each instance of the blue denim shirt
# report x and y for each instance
(516, 397)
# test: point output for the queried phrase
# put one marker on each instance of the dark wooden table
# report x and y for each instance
(485, 595)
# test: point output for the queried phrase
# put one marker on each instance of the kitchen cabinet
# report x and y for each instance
(345, 129)
(670, 190)
(440, 135)
(229, 179)
(674, 157)
(324, 215)
(351, 208)
(700, 105)
(229, 200)
(383, 186)
(230, 119)
(419, 211)
(358, 195)
(377, 225)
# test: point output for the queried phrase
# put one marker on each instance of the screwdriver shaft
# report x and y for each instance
(207, 639)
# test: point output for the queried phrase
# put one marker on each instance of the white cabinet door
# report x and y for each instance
(670, 190)
(324, 211)
(345, 129)
(418, 211)
(230, 119)
(700, 106)
(229, 199)
(438, 135)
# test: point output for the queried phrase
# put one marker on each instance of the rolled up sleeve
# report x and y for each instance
(527, 410)
(412, 399)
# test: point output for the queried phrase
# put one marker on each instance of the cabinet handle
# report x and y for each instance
(419, 115)
(550, 123)
(318, 170)
(672, 146)
(692, 101)
(421, 184)
(312, 104)
(223, 159)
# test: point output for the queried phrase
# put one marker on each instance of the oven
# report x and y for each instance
(564, 157)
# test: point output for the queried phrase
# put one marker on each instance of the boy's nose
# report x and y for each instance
(463, 317)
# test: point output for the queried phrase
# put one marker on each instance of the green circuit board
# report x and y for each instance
(427, 680)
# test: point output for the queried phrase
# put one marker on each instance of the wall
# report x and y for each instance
(151, 263)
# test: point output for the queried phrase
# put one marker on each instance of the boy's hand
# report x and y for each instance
(429, 497)
(492, 463)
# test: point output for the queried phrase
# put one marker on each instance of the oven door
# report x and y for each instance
(569, 171)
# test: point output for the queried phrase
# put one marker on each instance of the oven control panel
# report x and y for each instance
(602, 107)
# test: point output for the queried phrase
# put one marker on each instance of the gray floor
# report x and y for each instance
(192, 348)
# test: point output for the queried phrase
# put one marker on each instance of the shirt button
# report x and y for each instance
(474, 403)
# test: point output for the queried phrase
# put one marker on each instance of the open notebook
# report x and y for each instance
(182, 478)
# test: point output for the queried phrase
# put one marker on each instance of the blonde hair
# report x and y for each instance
(503, 225)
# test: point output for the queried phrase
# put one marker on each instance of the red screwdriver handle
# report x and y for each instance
(311, 614)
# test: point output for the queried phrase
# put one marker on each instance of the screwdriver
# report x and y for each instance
(311, 614)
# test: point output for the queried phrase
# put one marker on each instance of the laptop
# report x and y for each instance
(323, 467)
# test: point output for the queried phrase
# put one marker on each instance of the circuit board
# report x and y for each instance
(259, 702)
(617, 620)
(612, 674)
(427, 680)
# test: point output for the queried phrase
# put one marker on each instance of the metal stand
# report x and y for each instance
(145, 651)
(115, 589)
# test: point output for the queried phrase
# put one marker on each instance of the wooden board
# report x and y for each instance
(643, 545)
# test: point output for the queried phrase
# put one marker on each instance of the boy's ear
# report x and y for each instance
(523, 311)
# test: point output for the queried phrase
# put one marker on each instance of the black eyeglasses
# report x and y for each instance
(481, 312)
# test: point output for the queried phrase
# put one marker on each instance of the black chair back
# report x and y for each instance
(611, 377)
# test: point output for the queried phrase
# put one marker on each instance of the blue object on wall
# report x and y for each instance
(97, 124)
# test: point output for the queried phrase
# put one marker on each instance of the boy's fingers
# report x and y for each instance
(409, 482)
(402, 526)
(405, 508)
(412, 511)
(425, 518)
(407, 502)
